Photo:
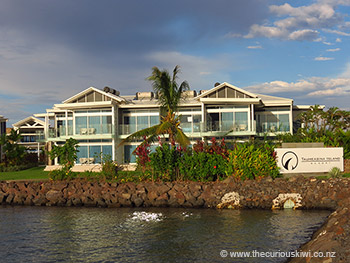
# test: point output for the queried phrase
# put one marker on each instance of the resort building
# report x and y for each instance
(3, 121)
(101, 119)
(29, 129)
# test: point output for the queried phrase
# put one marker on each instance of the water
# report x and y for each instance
(56, 234)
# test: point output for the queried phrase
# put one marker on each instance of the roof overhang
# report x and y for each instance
(275, 103)
(306, 107)
(230, 100)
(82, 105)
(43, 115)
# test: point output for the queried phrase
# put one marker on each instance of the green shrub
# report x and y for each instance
(109, 167)
(201, 166)
(334, 172)
(164, 163)
(252, 161)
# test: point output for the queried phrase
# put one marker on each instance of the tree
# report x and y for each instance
(67, 155)
(13, 151)
(169, 95)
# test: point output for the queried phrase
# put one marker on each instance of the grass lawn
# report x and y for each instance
(35, 173)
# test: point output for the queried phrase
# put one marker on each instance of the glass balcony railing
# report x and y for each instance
(200, 127)
(106, 129)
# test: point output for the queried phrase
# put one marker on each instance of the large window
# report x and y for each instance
(88, 154)
(273, 122)
(136, 121)
(228, 118)
(86, 125)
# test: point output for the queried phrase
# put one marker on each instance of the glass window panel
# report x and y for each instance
(106, 124)
(186, 123)
(272, 122)
(107, 151)
(241, 121)
(81, 125)
(82, 153)
(196, 122)
(128, 156)
(227, 121)
(70, 127)
(95, 152)
(94, 125)
(283, 122)
(142, 122)
(129, 124)
(154, 120)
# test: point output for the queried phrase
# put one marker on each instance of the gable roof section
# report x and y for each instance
(29, 122)
(104, 96)
(268, 100)
(226, 90)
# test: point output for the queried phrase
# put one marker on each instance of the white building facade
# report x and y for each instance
(101, 119)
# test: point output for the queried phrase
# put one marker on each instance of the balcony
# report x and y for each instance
(200, 129)
(104, 131)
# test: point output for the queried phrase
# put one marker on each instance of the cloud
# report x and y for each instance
(338, 40)
(314, 86)
(333, 50)
(330, 92)
(302, 23)
(337, 32)
(323, 58)
(255, 47)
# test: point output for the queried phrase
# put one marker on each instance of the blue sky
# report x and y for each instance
(51, 50)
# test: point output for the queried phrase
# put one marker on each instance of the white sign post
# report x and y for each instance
(309, 160)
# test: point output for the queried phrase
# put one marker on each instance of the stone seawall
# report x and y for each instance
(300, 192)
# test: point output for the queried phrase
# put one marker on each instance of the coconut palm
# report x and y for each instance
(169, 94)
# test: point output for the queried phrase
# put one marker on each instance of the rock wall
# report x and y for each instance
(302, 193)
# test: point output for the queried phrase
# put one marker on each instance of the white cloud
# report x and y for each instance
(338, 40)
(314, 86)
(333, 50)
(323, 58)
(305, 34)
(255, 47)
(333, 31)
(327, 43)
(329, 92)
(303, 23)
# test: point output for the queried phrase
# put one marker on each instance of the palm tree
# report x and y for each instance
(170, 94)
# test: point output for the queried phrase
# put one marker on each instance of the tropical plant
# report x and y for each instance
(109, 167)
(67, 155)
(13, 151)
(252, 161)
(169, 95)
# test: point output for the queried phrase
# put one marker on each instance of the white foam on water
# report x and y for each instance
(146, 216)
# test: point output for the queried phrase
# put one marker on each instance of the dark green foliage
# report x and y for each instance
(67, 155)
(164, 162)
(252, 161)
(12, 150)
(109, 167)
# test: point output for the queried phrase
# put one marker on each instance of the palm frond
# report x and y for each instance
(147, 132)
(181, 138)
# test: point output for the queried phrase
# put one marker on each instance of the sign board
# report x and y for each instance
(309, 160)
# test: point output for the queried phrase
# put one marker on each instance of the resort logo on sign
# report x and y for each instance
(290, 161)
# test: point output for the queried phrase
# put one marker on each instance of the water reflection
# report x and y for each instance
(51, 234)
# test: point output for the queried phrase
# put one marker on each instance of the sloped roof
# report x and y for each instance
(88, 90)
(228, 85)
(27, 120)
